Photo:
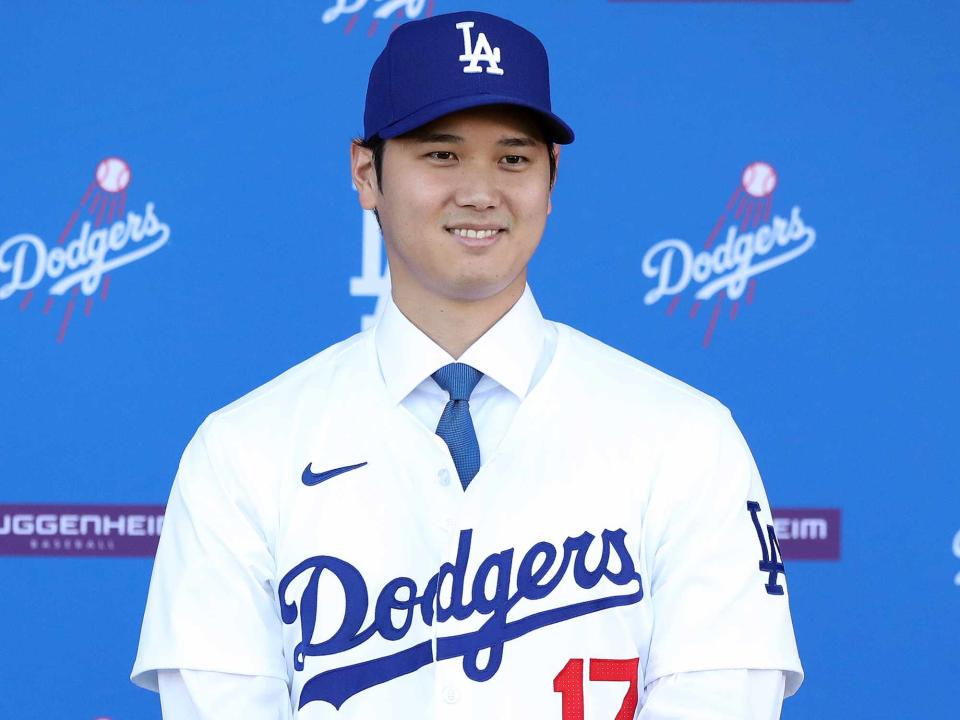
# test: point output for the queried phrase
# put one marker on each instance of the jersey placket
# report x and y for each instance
(451, 688)
(440, 499)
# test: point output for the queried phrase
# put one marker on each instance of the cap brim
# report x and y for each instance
(558, 130)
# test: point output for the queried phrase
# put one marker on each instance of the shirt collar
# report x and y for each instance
(507, 353)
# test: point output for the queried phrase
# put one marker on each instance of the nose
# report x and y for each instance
(478, 188)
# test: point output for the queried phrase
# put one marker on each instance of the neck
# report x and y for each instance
(454, 324)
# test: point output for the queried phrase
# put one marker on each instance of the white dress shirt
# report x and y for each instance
(513, 356)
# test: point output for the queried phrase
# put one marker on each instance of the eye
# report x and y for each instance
(442, 155)
(515, 160)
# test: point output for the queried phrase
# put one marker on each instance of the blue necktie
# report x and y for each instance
(456, 425)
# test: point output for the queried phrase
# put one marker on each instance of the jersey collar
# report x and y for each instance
(507, 353)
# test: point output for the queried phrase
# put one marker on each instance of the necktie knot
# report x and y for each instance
(458, 379)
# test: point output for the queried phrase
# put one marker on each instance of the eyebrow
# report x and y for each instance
(523, 141)
(438, 137)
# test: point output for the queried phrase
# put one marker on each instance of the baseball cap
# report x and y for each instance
(442, 64)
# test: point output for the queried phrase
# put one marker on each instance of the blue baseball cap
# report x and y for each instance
(439, 65)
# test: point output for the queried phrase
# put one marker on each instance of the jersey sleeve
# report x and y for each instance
(211, 604)
(715, 694)
(202, 695)
(718, 591)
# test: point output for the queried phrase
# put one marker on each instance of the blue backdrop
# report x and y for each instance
(231, 120)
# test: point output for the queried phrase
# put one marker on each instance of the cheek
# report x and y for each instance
(532, 206)
(401, 214)
(530, 191)
(415, 203)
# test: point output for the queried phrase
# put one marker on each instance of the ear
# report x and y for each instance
(555, 149)
(364, 176)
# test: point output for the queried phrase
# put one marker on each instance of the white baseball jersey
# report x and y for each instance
(616, 533)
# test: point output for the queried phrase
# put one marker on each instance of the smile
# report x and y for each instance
(477, 234)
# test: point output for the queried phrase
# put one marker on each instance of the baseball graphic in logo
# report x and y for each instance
(759, 179)
(113, 174)
(756, 240)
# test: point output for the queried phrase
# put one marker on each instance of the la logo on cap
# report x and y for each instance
(480, 52)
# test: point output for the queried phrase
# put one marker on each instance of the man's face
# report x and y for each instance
(463, 204)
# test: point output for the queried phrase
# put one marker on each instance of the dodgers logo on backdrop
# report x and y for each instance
(755, 240)
(400, 9)
(109, 237)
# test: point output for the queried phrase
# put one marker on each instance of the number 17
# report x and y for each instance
(569, 683)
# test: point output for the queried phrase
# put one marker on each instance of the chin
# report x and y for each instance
(475, 288)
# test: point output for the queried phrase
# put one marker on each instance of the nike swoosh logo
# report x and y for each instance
(311, 478)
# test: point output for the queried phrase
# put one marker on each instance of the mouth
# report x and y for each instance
(477, 236)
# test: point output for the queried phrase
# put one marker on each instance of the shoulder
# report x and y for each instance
(639, 409)
(270, 409)
(245, 449)
(603, 371)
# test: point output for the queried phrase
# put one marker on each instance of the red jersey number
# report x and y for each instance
(569, 683)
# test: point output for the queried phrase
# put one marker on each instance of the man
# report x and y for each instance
(467, 511)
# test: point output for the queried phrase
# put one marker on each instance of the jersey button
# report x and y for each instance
(450, 695)
(444, 477)
(447, 523)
